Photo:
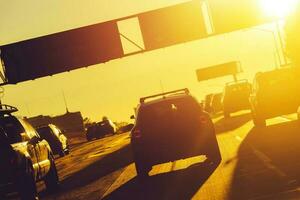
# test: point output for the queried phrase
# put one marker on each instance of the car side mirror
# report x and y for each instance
(132, 117)
(34, 140)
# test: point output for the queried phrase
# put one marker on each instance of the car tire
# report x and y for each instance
(51, 179)
(67, 151)
(26, 185)
(142, 170)
(213, 153)
(88, 138)
(61, 152)
(226, 114)
(259, 122)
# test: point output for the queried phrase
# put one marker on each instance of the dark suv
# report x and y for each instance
(24, 157)
(100, 129)
(274, 93)
(236, 97)
(171, 127)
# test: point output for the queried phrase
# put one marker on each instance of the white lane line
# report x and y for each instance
(275, 196)
(268, 162)
(285, 119)
(238, 138)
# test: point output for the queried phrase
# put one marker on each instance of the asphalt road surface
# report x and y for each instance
(257, 164)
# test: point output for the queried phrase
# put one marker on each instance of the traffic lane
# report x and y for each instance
(268, 162)
(90, 168)
(188, 178)
(242, 174)
(173, 184)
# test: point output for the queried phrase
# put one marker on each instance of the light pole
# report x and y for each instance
(277, 51)
(281, 42)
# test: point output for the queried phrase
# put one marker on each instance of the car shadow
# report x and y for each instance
(268, 164)
(98, 169)
(180, 184)
(224, 125)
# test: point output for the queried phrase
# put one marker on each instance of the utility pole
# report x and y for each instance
(281, 42)
(65, 101)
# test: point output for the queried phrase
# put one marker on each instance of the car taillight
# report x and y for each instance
(136, 133)
(203, 119)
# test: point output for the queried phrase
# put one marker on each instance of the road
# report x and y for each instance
(257, 164)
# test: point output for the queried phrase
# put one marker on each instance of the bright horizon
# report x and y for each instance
(114, 88)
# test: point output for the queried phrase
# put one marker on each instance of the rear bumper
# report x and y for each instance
(152, 154)
(268, 112)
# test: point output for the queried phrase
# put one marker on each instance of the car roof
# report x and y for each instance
(164, 99)
(261, 76)
(237, 83)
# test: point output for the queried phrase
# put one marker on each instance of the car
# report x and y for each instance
(100, 129)
(207, 103)
(25, 157)
(236, 97)
(125, 128)
(274, 93)
(55, 137)
(170, 127)
(216, 103)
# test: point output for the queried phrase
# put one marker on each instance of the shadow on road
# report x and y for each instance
(98, 169)
(224, 125)
(268, 163)
(180, 184)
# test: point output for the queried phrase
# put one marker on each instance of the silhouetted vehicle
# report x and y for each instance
(125, 128)
(100, 129)
(24, 157)
(236, 97)
(207, 103)
(54, 136)
(171, 127)
(274, 93)
(216, 102)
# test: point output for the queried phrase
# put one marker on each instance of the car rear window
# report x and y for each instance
(168, 113)
(45, 133)
(12, 128)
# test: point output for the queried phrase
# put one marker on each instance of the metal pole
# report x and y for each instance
(275, 44)
(281, 43)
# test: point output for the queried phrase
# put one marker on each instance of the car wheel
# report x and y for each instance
(142, 170)
(213, 154)
(226, 114)
(26, 185)
(51, 179)
(259, 122)
(61, 152)
(67, 151)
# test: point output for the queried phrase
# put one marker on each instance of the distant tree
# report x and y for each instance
(292, 30)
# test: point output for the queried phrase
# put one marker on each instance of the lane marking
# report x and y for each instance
(268, 162)
(285, 119)
(238, 138)
(273, 196)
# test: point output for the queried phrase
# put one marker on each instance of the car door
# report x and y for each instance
(15, 126)
(41, 149)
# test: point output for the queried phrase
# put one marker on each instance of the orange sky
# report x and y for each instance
(114, 88)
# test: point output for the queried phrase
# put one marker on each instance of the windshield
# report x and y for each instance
(12, 128)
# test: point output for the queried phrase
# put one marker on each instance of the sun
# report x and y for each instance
(278, 8)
